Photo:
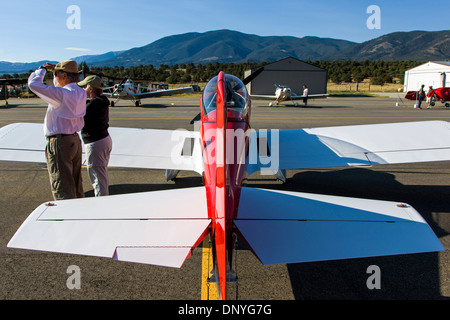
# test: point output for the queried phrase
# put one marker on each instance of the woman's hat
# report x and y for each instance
(94, 81)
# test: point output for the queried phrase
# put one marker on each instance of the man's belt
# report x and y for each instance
(60, 135)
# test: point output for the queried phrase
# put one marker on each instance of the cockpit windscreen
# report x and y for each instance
(236, 99)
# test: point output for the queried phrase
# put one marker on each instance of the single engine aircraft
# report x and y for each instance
(439, 94)
(127, 90)
(284, 93)
(280, 227)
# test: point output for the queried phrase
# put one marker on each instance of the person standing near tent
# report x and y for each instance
(421, 95)
(430, 96)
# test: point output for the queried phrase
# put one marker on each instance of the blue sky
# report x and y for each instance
(37, 30)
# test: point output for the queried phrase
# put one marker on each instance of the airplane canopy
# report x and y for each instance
(237, 98)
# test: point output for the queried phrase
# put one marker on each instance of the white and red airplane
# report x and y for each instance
(280, 227)
(441, 94)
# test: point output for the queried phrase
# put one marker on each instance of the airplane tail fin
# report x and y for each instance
(220, 225)
(290, 227)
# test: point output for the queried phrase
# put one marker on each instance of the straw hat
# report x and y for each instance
(67, 66)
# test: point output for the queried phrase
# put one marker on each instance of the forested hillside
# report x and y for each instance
(378, 72)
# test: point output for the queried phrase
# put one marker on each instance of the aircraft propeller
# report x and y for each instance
(118, 86)
(252, 76)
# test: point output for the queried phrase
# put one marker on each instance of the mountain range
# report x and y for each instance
(232, 46)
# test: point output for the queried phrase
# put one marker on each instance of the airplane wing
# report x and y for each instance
(109, 94)
(160, 93)
(147, 227)
(156, 149)
(361, 145)
(291, 227)
(132, 148)
(108, 91)
(262, 96)
(310, 96)
(294, 97)
(22, 142)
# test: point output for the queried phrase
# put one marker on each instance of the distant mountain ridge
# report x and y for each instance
(20, 67)
(232, 46)
(413, 45)
(225, 46)
(97, 57)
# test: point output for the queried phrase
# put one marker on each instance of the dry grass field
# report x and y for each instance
(364, 86)
(343, 87)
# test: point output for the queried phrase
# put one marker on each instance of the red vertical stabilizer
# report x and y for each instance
(220, 208)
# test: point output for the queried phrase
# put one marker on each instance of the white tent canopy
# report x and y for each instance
(432, 73)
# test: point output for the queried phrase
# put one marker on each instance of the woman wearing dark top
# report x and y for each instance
(97, 142)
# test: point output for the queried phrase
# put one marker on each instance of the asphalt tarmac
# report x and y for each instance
(31, 275)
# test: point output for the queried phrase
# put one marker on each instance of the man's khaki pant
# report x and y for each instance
(63, 154)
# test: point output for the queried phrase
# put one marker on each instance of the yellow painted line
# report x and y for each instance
(209, 289)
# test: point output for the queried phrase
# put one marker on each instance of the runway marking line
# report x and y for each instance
(209, 289)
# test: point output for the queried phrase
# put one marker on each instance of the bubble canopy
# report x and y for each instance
(236, 100)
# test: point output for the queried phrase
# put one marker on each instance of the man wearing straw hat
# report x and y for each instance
(63, 120)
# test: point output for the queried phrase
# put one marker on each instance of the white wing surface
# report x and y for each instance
(150, 94)
(22, 142)
(262, 96)
(160, 93)
(294, 97)
(360, 145)
(290, 227)
(310, 96)
(145, 227)
(132, 148)
(156, 149)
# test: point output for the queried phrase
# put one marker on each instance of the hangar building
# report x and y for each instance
(432, 73)
(289, 72)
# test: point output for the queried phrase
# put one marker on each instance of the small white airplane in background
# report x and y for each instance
(127, 90)
(283, 93)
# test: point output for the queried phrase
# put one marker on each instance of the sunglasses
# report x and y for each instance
(55, 74)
